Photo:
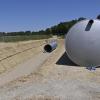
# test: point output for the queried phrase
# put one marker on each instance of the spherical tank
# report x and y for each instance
(82, 43)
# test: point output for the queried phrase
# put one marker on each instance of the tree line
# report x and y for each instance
(61, 29)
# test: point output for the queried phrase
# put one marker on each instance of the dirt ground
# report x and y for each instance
(12, 54)
(57, 78)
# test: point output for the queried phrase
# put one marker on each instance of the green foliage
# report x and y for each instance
(23, 38)
(98, 17)
(63, 27)
(60, 30)
(81, 18)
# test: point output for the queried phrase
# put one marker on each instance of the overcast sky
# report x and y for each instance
(22, 15)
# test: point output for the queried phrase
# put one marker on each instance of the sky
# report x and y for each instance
(34, 15)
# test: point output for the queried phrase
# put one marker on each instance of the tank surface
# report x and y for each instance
(82, 43)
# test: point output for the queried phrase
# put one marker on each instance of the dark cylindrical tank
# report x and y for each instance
(50, 46)
(82, 43)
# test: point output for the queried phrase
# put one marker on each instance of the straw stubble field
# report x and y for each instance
(12, 54)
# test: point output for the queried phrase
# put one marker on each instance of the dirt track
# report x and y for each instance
(56, 79)
(23, 69)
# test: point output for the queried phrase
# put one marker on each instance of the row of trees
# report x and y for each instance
(60, 29)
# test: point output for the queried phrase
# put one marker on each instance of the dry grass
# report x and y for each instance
(12, 54)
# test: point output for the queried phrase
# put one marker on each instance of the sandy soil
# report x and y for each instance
(56, 79)
(12, 54)
(23, 69)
